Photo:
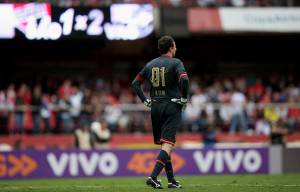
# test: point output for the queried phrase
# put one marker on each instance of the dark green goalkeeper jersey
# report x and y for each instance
(164, 75)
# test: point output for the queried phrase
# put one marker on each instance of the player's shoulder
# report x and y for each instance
(153, 61)
(177, 61)
(172, 60)
(150, 63)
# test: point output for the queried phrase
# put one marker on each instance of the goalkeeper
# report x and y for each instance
(168, 95)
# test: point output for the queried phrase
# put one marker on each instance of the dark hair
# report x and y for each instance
(165, 43)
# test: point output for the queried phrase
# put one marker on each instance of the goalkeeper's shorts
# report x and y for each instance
(166, 121)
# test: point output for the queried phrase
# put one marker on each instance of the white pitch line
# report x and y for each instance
(246, 185)
(67, 186)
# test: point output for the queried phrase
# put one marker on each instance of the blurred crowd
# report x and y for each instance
(252, 105)
(203, 3)
(245, 105)
(62, 108)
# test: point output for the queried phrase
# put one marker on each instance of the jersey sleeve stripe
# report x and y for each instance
(139, 78)
(183, 74)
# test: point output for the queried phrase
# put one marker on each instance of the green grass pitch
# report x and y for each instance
(243, 183)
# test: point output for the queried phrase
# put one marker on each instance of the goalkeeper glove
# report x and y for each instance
(181, 101)
(147, 103)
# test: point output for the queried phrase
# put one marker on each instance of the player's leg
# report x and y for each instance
(161, 161)
(156, 122)
(169, 129)
(162, 157)
(169, 170)
(172, 183)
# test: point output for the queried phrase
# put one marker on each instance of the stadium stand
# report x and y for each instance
(263, 102)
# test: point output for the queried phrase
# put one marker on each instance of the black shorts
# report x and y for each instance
(166, 120)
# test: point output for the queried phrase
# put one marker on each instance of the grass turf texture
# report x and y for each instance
(244, 183)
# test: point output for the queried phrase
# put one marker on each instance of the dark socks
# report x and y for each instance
(161, 161)
(169, 170)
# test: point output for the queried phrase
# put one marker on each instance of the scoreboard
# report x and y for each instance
(41, 21)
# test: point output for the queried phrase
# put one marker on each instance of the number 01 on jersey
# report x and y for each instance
(158, 77)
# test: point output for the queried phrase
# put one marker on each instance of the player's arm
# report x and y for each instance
(136, 86)
(183, 82)
(184, 85)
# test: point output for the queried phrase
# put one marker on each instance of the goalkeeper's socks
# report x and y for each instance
(161, 161)
(169, 170)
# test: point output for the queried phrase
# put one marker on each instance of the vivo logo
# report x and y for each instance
(106, 163)
(217, 161)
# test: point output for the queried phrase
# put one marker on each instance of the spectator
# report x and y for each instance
(293, 115)
(203, 122)
(11, 95)
(226, 111)
(191, 115)
(239, 118)
(20, 108)
(271, 114)
(193, 111)
(65, 90)
(75, 106)
(63, 115)
(101, 135)
(46, 113)
(3, 113)
(82, 137)
(36, 105)
(112, 116)
(279, 133)
(86, 111)
(262, 126)
(256, 90)
(11, 101)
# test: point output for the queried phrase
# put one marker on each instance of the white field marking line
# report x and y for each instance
(131, 186)
(68, 186)
(246, 185)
